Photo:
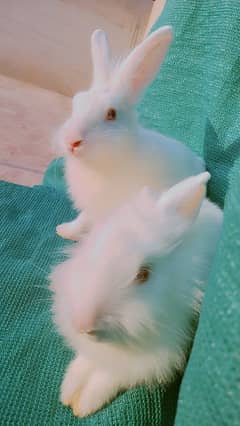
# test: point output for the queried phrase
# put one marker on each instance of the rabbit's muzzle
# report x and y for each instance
(73, 146)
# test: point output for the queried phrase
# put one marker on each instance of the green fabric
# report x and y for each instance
(210, 390)
(195, 98)
(33, 356)
(54, 176)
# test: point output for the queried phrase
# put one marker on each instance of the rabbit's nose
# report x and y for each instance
(84, 325)
(74, 145)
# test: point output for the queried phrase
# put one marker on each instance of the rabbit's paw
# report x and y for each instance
(97, 391)
(75, 377)
(75, 229)
(65, 231)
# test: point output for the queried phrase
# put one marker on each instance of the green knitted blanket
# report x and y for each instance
(196, 99)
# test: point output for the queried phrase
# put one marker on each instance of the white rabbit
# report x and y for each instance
(108, 155)
(126, 297)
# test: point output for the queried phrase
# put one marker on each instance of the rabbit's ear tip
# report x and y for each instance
(169, 31)
(204, 177)
(167, 28)
(98, 33)
(165, 32)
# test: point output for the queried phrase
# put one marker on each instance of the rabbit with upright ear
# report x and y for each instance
(126, 296)
(108, 155)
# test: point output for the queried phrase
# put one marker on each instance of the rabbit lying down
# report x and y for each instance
(109, 156)
(125, 298)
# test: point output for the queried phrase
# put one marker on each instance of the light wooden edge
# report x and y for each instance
(157, 9)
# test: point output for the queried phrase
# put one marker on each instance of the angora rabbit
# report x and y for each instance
(126, 296)
(108, 155)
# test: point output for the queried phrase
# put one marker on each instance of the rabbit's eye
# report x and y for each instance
(111, 114)
(142, 275)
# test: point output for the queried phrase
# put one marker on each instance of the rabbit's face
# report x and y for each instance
(116, 287)
(101, 123)
(110, 286)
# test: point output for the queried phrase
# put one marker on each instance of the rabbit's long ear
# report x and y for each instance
(142, 64)
(178, 208)
(101, 57)
(184, 199)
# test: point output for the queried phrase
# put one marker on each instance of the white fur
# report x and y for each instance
(101, 56)
(142, 331)
(116, 158)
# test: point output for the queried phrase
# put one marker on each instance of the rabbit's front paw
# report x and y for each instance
(65, 231)
(98, 390)
(75, 229)
(75, 376)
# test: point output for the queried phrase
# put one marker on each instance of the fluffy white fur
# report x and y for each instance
(123, 332)
(116, 158)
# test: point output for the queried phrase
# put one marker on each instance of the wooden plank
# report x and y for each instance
(155, 13)
(20, 176)
(47, 42)
(29, 117)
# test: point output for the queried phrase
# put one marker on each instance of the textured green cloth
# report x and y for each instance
(196, 99)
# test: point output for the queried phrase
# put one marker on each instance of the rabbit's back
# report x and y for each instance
(193, 259)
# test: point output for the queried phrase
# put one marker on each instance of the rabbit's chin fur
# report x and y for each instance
(141, 332)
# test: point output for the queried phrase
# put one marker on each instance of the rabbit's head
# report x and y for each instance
(117, 285)
(104, 116)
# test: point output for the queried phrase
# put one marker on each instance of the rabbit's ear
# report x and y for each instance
(142, 64)
(185, 198)
(101, 57)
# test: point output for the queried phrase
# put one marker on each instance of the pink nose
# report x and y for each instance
(74, 145)
(84, 323)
